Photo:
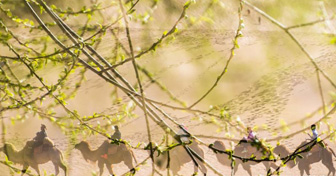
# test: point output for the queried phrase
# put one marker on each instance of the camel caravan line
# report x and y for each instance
(41, 150)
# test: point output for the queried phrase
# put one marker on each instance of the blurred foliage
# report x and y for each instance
(40, 75)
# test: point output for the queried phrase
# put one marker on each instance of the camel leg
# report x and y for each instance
(267, 165)
(36, 168)
(247, 167)
(109, 168)
(274, 166)
(301, 171)
(329, 164)
(330, 168)
(175, 170)
(195, 169)
(302, 168)
(200, 152)
(202, 168)
(101, 167)
(128, 162)
(58, 163)
(64, 168)
(305, 168)
(24, 168)
(308, 169)
(235, 169)
(56, 169)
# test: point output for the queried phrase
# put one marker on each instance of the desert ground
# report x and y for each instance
(269, 82)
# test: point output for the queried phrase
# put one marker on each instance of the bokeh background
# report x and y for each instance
(270, 83)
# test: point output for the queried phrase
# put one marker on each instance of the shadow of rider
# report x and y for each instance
(254, 141)
(38, 139)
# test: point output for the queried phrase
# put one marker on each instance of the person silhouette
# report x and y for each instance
(315, 136)
(254, 141)
(116, 134)
(38, 139)
(111, 149)
(251, 136)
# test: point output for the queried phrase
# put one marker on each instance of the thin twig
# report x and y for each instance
(232, 53)
(308, 24)
(141, 163)
(154, 45)
(321, 92)
(140, 85)
(286, 30)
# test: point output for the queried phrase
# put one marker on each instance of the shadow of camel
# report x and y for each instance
(244, 150)
(317, 154)
(107, 154)
(178, 157)
(27, 157)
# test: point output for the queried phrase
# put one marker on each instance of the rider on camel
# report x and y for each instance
(116, 134)
(315, 135)
(38, 139)
(253, 140)
(251, 137)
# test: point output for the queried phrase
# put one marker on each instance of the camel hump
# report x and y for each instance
(219, 145)
(48, 142)
(30, 143)
(112, 149)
